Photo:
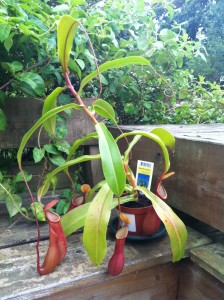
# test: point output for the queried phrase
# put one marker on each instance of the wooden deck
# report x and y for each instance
(148, 269)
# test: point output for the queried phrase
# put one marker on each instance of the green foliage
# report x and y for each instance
(111, 160)
(27, 45)
(152, 30)
(95, 228)
(9, 189)
(174, 226)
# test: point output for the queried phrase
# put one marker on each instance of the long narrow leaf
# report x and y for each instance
(95, 228)
(66, 30)
(175, 227)
(153, 137)
(41, 121)
(116, 63)
(130, 146)
(79, 142)
(75, 218)
(167, 137)
(50, 103)
(112, 164)
(44, 188)
(104, 109)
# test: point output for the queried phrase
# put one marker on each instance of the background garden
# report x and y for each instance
(183, 40)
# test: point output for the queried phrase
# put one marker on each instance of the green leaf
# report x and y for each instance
(51, 149)
(79, 142)
(24, 87)
(103, 80)
(50, 103)
(81, 63)
(183, 93)
(38, 208)
(1, 177)
(20, 177)
(75, 218)
(75, 68)
(38, 154)
(4, 31)
(116, 63)
(154, 138)
(112, 164)
(44, 188)
(96, 223)
(62, 146)
(171, 11)
(104, 109)
(13, 204)
(129, 108)
(3, 97)
(34, 80)
(57, 160)
(13, 67)
(167, 138)
(166, 34)
(2, 120)
(174, 226)
(60, 207)
(131, 144)
(140, 5)
(66, 30)
(60, 8)
(77, 2)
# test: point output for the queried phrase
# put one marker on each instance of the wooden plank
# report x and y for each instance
(197, 187)
(22, 113)
(211, 133)
(197, 284)
(160, 282)
(211, 259)
(19, 280)
(93, 168)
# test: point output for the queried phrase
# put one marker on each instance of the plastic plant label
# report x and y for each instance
(132, 225)
(144, 173)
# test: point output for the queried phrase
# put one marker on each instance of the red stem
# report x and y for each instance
(78, 98)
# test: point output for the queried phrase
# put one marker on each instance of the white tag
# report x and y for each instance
(144, 173)
(132, 226)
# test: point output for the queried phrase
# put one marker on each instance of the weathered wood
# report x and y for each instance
(197, 284)
(94, 172)
(76, 275)
(22, 232)
(160, 282)
(197, 187)
(211, 259)
(22, 113)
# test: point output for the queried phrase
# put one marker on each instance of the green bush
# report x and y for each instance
(117, 28)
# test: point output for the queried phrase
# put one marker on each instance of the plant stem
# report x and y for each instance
(78, 98)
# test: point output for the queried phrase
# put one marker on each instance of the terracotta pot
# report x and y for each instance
(144, 220)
